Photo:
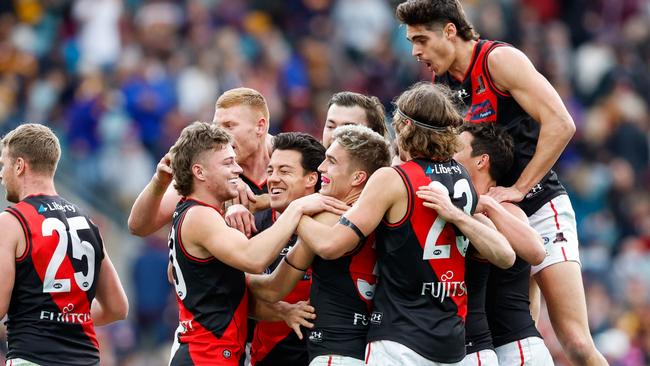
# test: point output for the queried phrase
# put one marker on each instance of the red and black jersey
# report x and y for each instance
(341, 292)
(421, 296)
(49, 320)
(485, 103)
(508, 304)
(212, 303)
(274, 343)
(477, 330)
(257, 189)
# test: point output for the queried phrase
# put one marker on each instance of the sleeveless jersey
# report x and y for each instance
(477, 330)
(274, 343)
(485, 103)
(48, 321)
(421, 296)
(508, 305)
(256, 188)
(341, 292)
(212, 302)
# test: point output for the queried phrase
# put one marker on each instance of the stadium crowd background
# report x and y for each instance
(118, 80)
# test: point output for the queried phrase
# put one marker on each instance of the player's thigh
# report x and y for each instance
(529, 351)
(561, 285)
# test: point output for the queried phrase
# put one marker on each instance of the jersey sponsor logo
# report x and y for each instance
(537, 189)
(376, 317)
(444, 289)
(442, 169)
(462, 93)
(481, 111)
(360, 319)
(67, 316)
(55, 206)
(316, 336)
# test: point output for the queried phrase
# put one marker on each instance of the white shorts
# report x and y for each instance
(529, 351)
(20, 362)
(556, 224)
(389, 353)
(484, 357)
(335, 360)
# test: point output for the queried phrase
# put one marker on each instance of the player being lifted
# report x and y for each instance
(498, 84)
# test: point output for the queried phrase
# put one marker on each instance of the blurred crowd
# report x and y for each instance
(118, 80)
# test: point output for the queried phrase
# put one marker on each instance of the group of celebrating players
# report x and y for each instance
(427, 250)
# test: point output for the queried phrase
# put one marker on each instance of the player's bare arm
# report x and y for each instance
(290, 271)
(513, 72)
(155, 205)
(383, 194)
(295, 315)
(10, 249)
(511, 221)
(492, 245)
(275, 286)
(110, 303)
(239, 217)
(205, 233)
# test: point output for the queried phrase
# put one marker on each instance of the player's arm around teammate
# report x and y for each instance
(205, 230)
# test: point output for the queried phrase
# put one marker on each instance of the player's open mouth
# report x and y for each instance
(276, 191)
(325, 180)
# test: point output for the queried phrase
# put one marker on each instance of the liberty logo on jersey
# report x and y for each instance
(55, 206)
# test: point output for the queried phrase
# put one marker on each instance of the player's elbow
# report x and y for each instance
(252, 266)
(329, 252)
(136, 227)
(539, 254)
(567, 127)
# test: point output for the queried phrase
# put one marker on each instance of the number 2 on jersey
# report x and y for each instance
(443, 251)
(80, 249)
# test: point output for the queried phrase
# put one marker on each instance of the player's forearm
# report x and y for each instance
(103, 315)
(525, 241)
(265, 246)
(492, 245)
(144, 218)
(321, 239)
(554, 136)
(270, 312)
(277, 285)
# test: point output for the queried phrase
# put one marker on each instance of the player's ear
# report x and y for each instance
(449, 31)
(19, 166)
(483, 162)
(262, 126)
(312, 179)
(359, 177)
(198, 172)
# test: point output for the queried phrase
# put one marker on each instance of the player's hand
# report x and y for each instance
(439, 200)
(299, 314)
(262, 202)
(245, 195)
(485, 202)
(238, 217)
(506, 194)
(164, 174)
(316, 203)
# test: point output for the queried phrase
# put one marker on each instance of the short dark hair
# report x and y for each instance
(432, 13)
(494, 141)
(375, 113)
(311, 150)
